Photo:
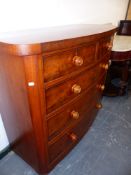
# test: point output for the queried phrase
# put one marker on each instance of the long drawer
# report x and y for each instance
(66, 62)
(61, 93)
(71, 137)
(71, 112)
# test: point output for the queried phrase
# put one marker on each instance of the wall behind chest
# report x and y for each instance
(129, 11)
(18, 15)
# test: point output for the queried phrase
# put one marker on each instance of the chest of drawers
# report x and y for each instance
(50, 89)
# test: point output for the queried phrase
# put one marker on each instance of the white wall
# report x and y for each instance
(26, 14)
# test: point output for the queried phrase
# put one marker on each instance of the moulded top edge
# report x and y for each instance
(48, 34)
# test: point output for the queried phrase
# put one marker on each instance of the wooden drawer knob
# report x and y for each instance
(76, 89)
(75, 115)
(101, 87)
(109, 46)
(73, 137)
(78, 61)
(104, 66)
(99, 106)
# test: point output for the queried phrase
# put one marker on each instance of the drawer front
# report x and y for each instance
(60, 94)
(71, 113)
(71, 137)
(66, 62)
(88, 54)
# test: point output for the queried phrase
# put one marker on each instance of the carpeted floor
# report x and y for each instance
(104, 150)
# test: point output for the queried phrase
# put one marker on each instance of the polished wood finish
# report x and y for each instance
(62, 63)
(61, 93)
(65, 141)
(80, 105)
(15, 110)
(51, 93)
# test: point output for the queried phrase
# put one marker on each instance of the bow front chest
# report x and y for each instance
(51, 81)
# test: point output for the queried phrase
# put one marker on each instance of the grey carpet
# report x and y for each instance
(104, 150)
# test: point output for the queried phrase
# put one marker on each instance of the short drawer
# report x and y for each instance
(62, 63)
(58, 95)
(71, 113)
(71, 137)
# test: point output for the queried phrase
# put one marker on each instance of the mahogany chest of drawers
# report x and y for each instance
(50, 89)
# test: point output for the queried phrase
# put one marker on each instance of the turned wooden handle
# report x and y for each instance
(101, 87)
(76, 89)
(104, 66)
(109, 45)
(99, 106)
(73, 137)
(75, 115)
(77, 60)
